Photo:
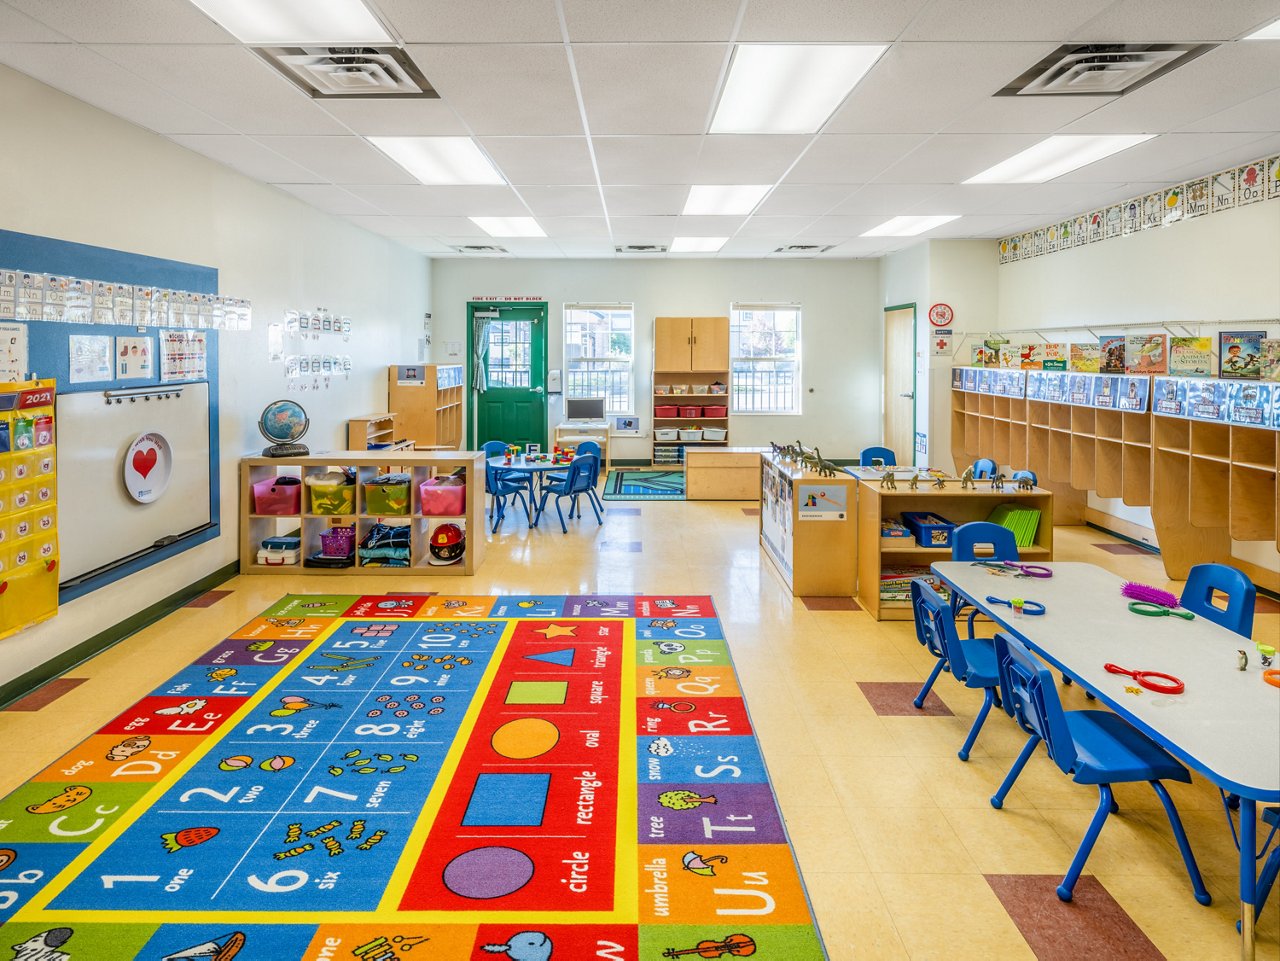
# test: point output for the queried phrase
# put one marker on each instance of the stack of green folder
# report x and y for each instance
(1023, 521)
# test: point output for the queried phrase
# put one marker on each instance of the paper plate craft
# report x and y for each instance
(147, 467)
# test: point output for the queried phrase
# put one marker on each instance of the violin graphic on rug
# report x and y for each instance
(735, 946)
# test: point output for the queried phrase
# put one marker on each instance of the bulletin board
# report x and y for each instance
(101, 541)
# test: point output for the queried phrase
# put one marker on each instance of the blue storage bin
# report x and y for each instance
(930, 529)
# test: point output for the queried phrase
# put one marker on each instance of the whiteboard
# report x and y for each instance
(98, 523)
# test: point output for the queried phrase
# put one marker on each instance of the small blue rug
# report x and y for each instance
(644, 485)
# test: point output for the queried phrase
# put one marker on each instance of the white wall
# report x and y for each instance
(85, 176)
(839, 329)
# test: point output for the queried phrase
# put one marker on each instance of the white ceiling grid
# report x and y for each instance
(596, 111)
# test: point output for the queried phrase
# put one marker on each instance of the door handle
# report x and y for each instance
(910, 395)
(535, 390)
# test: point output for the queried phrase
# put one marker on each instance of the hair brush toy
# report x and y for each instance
(1149, 594)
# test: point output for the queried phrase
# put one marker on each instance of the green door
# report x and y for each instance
(514, 407)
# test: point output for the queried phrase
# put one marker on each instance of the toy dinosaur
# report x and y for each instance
(888, 481)
(966, 479)
(913, 482)
(825, 468)
(997, 481)
(1026, 483)
(940, 482)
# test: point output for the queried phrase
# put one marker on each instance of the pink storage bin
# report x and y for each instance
(666, 410)
(443, 497)
(690, 411)
(715, 411)
(278, 495)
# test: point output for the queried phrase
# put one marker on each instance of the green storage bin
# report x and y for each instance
(387, 494)
(333, 498)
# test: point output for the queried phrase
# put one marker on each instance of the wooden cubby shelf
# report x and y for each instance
(693, 353)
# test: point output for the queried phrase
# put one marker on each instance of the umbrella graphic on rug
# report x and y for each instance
(222, 948)
(705, 866)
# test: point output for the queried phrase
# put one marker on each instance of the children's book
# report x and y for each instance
(1007, 357)
(1085, 358)
(1031, 357)
(979, 355)
(1146, 354)
(1207, 400)
(1248, 404)
(1106, 392)
(1240, 354)
(1133, 394)
(1169, 397)
(1079, 390)
(1191, 356)
(1112, 355)
(1055, 387)
(1055, 357)
(1270, 364)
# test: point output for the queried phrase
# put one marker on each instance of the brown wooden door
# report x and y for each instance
(900, 383)
(672, 343)
(710, 343)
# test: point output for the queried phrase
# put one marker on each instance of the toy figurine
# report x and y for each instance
(913, 482)
(888, 481)
(940, 482)
(966, 479)
(1025, 483)
(997, 481)
(825, 467)
(1242, 660)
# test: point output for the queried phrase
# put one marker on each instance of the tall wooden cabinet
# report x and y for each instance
(427, 399)
(691, 344)
(690, 380)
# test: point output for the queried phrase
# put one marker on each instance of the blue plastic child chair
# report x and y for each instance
(500, 485)
(983, 468)
(585, 447)
(1197, 597)
(577, 481)
(965, 540)
(1094, 747)
(870, 455)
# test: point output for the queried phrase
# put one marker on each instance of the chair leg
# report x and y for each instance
(972, 630)
(1086, 844)
(1180, 835)
(928, 684)
(595, 510)
(528, 514)
(988, 696)
(499, 503)
(559, 513)
(997, 799)
(1266, 881)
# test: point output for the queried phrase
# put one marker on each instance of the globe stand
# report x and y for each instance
(286, 450)
(284, 422)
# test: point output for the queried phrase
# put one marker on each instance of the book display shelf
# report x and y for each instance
(304, 523)
(429, 402)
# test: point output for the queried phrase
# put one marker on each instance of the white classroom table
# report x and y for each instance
(1226, 724)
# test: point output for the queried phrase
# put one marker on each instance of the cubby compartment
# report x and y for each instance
(1207, 487)
(1037, 413)
(1210, 440)
(1106, 424)
(1108, 468)
(1254, 447)
(1060, 417)
(1060, 456)
(1082, 421)
(1082, 461)
(1137, 429)
(1136, 484)
(1172, 434)
(1038, 450)
(1253, 503)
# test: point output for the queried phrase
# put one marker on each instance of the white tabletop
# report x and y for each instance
(1227, 722)
(527, 466)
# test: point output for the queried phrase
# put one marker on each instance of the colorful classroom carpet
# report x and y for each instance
(420, 777)
(644, 485)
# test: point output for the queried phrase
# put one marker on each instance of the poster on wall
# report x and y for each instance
(941, 341)
(13, 352)
(90, 358)
(183, 355)
(134, 358)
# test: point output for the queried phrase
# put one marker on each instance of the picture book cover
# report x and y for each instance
(1031, 356)
(1055, 387)
(1270, 363)
(1146, 354)
(1086, 358)
(1111, 351)
(1248, 404)
(1080, 390)
(1133, 394)
(1007, 357)
(984, 381)
(1106, 391)
(1206, 400)
(1169, 397)
(1055, 357)
(1240, 354)
(957, 378)
(993, 351)
(1191, 356)
(970, 379)
(1035, 385)
(978, 356)
(1017, 386)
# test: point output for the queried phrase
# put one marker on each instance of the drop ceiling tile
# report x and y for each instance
(761, 229)
(965, 20)
(396, 118)
(386, 226)
(504, 89)
(746, 159)
(441, 227)
(1138, 21)
(952, 158)
(924, 87)
(662, 20)
(578, 249)
(563, 201)
(804, 199)
(643, 230)
(750, 246)
(530, 246)
(422, 201)
(541, 160)
(575, 228)
(647, 160)
(980, 226)
(431, 247)
(474, 21)
(708, 226)
(852, 158)
(1042, 115)
(330, 199)
(17, 27)
(645, 201)
(825, 21)
(863, 246)
(84, 74)
(340, 160)
(1234, 157)
(248, 157)
(1153, 159)
(138, 21)
(839, 227)
(227, 82)
(1261, 114)
(881, 200)
(649, 88)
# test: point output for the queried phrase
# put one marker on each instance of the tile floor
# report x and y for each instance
(901, 852)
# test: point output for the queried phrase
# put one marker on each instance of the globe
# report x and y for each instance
(284, 422)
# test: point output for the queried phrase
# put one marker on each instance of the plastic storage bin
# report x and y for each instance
(690, 434)
(443, 496)
(717, 388)
(278, 495)
(663, 433)
(690, 411)
(387, 494)
(661, 389)
(714, 433)
(715, 410)
(331, 494)
(338, 542)
(666, 410)
(679, 388)
(276, 551)
(930, 529)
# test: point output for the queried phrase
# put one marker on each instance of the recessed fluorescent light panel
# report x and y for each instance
(1057, 156)
(789, 87)
(1270, 32)
(724, 199)
(909, 226)
(697, 245)
(508, 226)
(438, 161)
(272, 22)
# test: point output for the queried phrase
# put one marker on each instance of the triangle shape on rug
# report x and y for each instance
(563, 657)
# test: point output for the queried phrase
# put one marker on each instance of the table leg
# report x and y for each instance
(1248, 877)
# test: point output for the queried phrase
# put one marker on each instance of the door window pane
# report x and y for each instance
(510, 353)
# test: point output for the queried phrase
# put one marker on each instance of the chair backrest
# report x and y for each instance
(968, 536)
(882, 454)
(590, 447)
(922, 605)
(494, 448)
(582, 474)
(1197, 596)
(1030, 697)
(983, 467)
(1029, 474)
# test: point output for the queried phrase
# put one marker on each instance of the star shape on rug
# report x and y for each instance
(556, 630)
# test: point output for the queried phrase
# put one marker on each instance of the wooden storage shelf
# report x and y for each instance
(1107, 424)
(1253, 503)
(375, 429)
(691, 352)
(1207, 486)
(1136, 428)
(1250, 445)
(1108, 468)
(1136, 476)
(1083, 468)
(1211, 440)
(429, 398)
(814, 558)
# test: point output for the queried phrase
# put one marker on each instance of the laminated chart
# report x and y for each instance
(422, 777)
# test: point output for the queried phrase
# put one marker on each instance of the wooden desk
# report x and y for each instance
(598, 431)
(722, 473)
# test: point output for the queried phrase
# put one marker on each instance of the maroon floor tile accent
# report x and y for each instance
(751, 511)
(622, 511)
(831, 604)
(46, 695)
(894, 699)
(626, 547)
(207, 599)
(1091, 925)
(1123, 549)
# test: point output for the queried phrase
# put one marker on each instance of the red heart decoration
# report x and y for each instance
(144, 461)
(49, 566)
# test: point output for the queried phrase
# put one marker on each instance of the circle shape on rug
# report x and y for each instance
(486, 873)
(525, 738)
(147, 467)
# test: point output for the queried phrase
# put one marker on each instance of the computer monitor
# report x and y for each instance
(584, 408)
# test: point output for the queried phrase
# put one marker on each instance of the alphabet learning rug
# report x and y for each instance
(418, 777)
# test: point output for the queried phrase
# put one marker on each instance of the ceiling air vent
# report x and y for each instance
(802, 250)
(482, 250)
(349, 72)
(640, 249)
(1101, 69)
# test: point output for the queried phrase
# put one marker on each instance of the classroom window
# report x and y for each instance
(764, 347)
(598, 354)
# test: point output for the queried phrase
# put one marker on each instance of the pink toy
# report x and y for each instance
(1152, 595)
